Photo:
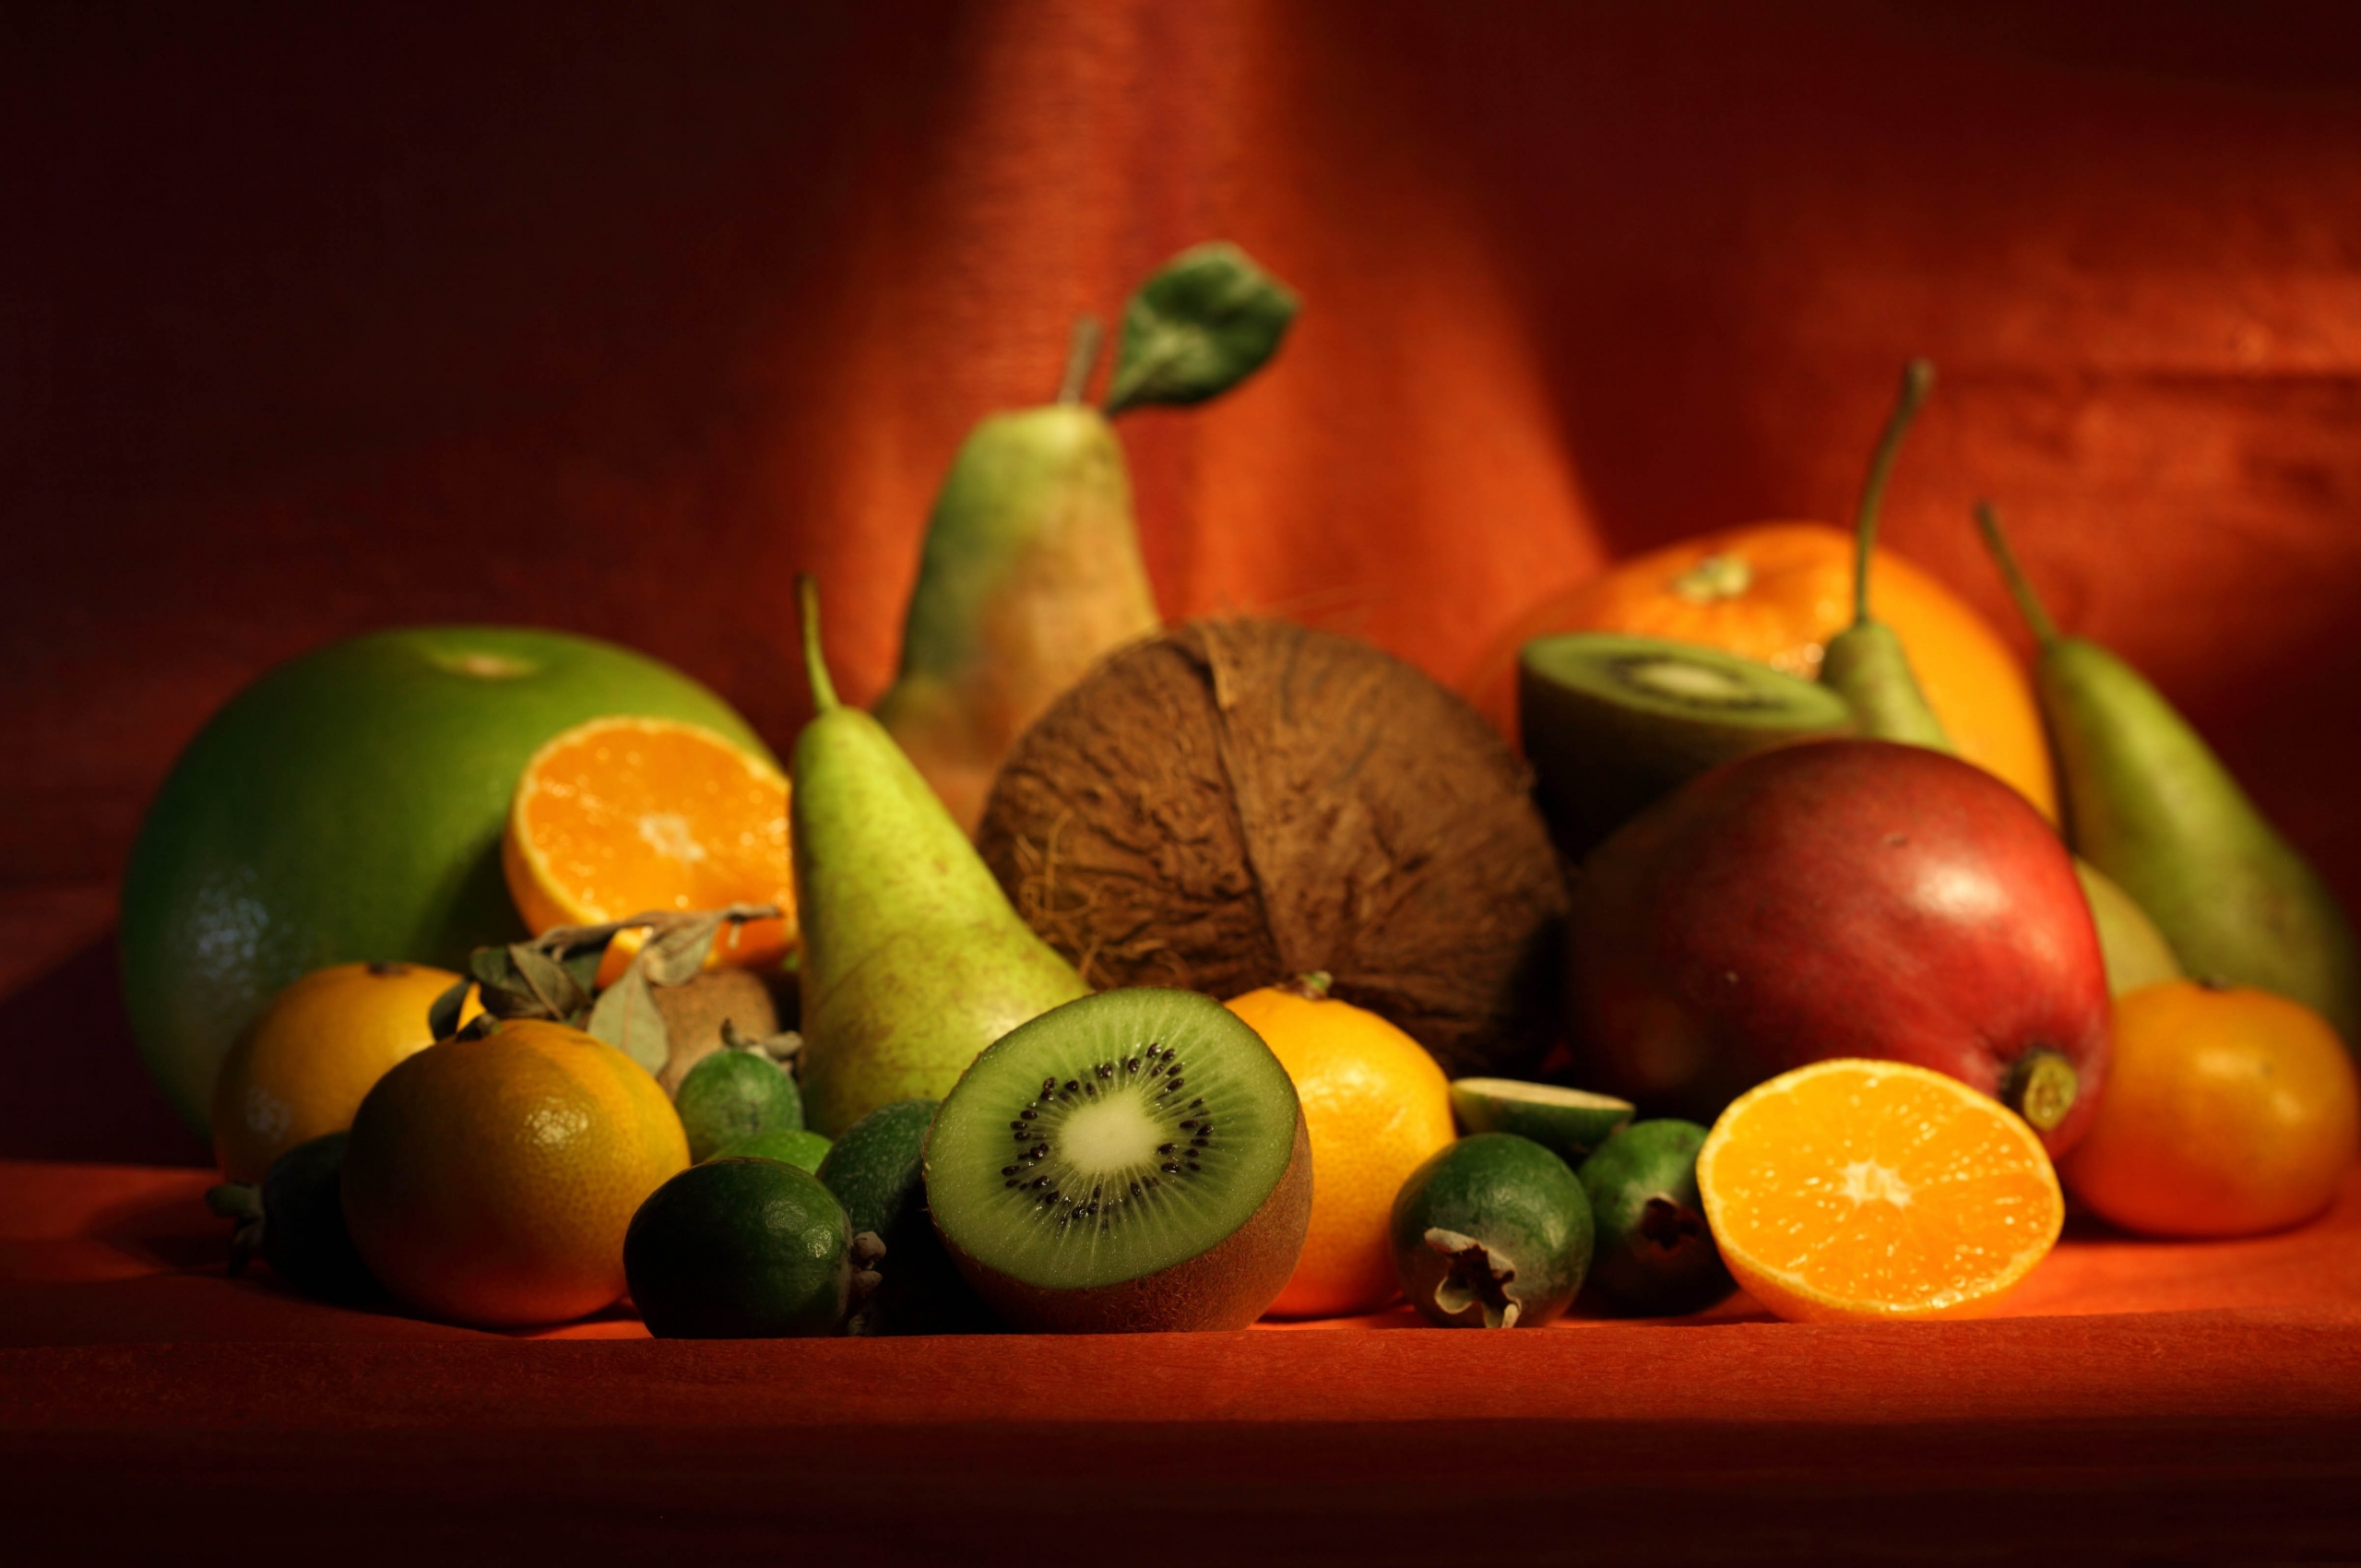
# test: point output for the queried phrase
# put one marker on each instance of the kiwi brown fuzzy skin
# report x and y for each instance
(1227, 1286)
(1240, 802)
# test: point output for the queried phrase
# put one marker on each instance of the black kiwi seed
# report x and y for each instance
(1170, 1169)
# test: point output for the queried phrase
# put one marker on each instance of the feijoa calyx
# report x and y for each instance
(1134, 1160)
(1655, 1255)
(1492, 1231)
(1569, 1123)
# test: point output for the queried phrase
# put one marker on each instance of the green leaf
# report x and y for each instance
(548, 980)
(1197, 328)
(443, 1018)
(626, 1017)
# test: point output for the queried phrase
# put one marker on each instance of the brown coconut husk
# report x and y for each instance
(1238, 803)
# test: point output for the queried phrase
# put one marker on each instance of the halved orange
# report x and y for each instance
(1854, 1191)
(622, 815)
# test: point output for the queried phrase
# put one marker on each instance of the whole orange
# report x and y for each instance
(1375, 1105)
(301, 1070)
(1777, 592)
(2227, 1111)
(490, 1180)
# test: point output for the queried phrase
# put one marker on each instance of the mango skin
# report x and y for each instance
(1837, 898)
(1030, 573)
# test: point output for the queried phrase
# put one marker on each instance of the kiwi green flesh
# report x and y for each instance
(1109, 1140)
(1571, 1123)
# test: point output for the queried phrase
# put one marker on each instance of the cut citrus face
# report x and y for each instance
(622, 815)
(1854, 1191)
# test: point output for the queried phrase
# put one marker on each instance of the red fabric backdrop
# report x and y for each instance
(320, 319)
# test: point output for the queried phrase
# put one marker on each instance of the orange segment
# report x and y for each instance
(1853, 1191)
(622, 815)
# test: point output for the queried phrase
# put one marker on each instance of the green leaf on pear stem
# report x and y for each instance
(1203, 324)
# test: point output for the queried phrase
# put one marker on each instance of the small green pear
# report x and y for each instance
(2149, 804)
(2135, 951)
(1030, 573)
(913, 961)
(1864, 663)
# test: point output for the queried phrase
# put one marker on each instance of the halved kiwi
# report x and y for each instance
(1612, 722)
(1569, 1123)
(1132, 1160)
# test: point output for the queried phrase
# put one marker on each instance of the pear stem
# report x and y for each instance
(1082, 357)
(1918, 380)
(815, 664)
(1988, 522)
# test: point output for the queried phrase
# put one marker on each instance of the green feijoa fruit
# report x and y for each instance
(876, 1170)
(732, 1095)
(1655, 1257)
(740, 1248)
(797, 1146)
(1569, 1123)
(1492, 1231)
(1129, 1161)
(295, 1220)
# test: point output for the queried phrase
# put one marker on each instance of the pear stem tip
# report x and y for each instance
(1918, 381)
(816, 663)
(1082, 357)
(2029, 605)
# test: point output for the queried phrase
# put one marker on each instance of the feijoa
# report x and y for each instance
(1655, 1256)
(740, 1248)
(876, 1170)
(1493, 1232)
(799, 1146)
(732, 1095)
(295, 1220)
(1569, 1123)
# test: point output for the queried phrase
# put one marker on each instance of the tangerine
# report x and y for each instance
(490, 1180)
(300, 1072)
(624, 815)
(1776, 592)
(2228, 1110)
(1375, 1106)
(1851, 1191)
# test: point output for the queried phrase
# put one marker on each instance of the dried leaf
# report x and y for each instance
(626, 1017)
(676, 953)
(1203, 324)
(548, 980)
(781, 1047)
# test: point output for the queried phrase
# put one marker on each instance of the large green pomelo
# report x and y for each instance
(348, 806)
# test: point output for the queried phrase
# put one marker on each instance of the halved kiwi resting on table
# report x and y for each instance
(1611, 722)
(1569, 1123)
(1133, 1160)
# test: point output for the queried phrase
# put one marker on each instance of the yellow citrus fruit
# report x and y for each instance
(1375, 1105)
(490, 1180)
(300, 1071)
(1852, 1190)
(622, 815)
(2228, 1110)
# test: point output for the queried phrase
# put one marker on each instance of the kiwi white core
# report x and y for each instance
(1677, 678)
(1110, 1139)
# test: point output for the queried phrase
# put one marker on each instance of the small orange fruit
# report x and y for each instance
(1853, 1192)
(301, 1070)
(1375, 1105)
(2228, 1110)
(490, 1180)
(1776, 592)
(622, 815)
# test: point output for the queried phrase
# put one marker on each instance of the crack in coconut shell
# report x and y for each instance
(1238, 801)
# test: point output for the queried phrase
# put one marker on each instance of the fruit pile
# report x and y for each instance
(1113, 977)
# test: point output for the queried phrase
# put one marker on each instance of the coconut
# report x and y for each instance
(1240, 802)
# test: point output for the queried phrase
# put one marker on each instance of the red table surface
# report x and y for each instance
(2200, 1398)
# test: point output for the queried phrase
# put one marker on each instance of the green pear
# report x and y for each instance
(913, 961)
(1030, 573)
(2149, 804)
(1864, 663)
(2135, 951)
